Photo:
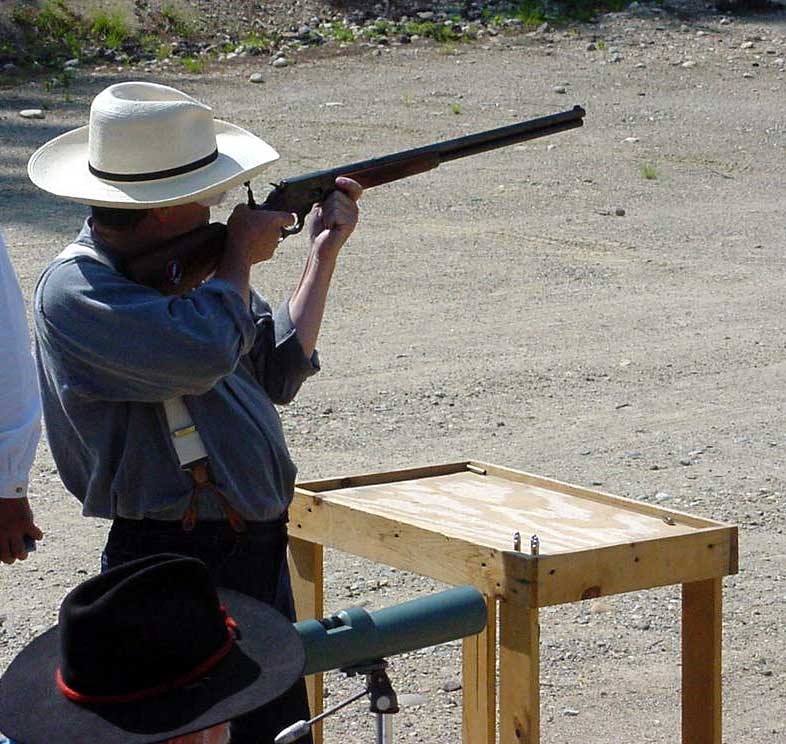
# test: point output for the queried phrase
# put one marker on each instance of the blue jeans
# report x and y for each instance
(253, 563)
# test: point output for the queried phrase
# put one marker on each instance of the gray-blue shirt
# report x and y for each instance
(109, 351)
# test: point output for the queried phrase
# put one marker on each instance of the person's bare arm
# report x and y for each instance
(330, 225)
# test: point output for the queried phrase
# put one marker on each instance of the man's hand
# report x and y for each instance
(332, 222)
(16, 521)
(252, 236)
(256, 231)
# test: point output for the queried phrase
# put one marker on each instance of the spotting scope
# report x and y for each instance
(357, 642)
(355, 636)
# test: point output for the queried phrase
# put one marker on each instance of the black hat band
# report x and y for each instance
(155, 175)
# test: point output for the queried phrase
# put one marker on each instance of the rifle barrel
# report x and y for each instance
(510, 135)
(409, 162)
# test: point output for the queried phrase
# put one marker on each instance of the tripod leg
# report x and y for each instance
(384, 728)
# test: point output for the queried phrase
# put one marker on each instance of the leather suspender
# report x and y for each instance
(189, 447)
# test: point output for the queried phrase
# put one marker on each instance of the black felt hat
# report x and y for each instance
(145, 652)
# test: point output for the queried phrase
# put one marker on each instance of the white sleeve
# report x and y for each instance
(20, 402)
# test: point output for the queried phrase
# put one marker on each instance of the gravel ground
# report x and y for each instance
(500, 308)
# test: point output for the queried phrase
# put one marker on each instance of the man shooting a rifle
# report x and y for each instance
(160, 409)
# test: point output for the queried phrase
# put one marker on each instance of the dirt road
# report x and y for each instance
(499, 308)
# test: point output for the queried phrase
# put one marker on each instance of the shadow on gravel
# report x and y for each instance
(763, 11)
(20, 201)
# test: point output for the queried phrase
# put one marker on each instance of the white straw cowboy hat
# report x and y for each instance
(148, 145)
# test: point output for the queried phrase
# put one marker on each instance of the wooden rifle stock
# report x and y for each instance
(180, 265)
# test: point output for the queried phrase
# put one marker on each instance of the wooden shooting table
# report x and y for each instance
(456, 523)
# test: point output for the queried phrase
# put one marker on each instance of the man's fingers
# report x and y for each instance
(6, 556)
(34, 532)
(279, 219)
(350, 187)
(285, 219)
(338, 214)
(18, 549)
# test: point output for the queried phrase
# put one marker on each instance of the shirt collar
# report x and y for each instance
(90, 239)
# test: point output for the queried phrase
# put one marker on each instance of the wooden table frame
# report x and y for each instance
(697, 558)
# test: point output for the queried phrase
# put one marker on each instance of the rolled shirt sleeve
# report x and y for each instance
(20, 403)
(280, 364)
(121, 341)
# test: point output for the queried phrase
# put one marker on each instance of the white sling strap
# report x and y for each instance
(185, 437)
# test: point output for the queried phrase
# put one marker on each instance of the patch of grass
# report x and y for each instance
(260, 42)
(150, 43)
(439, 32)
(53, 19)
(447, 49)
(51, 32)
(430, 30)
(60, 81)
(111, 28)
(530, 13)
(382, 27)
(535, 12)
(341, 33)
(649, 171)
(192, 64)
(163, 50)
(175, 20)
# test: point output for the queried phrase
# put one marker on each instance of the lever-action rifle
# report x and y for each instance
(181, 264)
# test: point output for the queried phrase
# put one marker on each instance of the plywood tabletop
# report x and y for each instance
(488, 509)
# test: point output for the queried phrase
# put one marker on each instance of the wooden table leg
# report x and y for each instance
(479, 682)
(701, 662)
(519, 674)
(305, 566)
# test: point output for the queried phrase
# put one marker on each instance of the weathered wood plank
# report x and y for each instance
(392, 476)
(409, 547)
(639, 507)
(623, 568)
(519, 675)
(701, 662)
(306, 569)
(479, 681)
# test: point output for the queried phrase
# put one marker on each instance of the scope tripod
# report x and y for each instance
(383, 701)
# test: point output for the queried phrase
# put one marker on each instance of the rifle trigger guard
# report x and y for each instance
(292, 229)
